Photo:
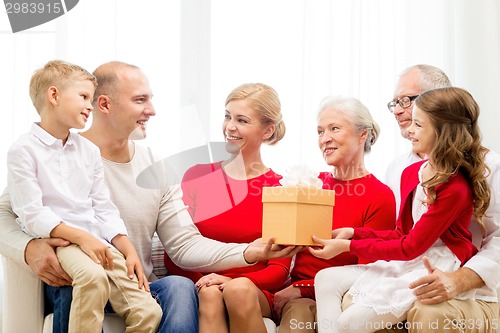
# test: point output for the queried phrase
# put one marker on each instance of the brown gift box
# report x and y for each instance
(292, 214)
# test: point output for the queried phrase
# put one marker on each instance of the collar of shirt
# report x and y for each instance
(46, 138)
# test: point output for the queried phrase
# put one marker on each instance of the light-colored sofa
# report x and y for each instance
(23, 300)
(23, 306)
(1, 295)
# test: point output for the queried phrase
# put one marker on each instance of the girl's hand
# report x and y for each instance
(329, 248)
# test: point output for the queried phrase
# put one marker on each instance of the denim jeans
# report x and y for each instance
(179, 301)
(58, 301)
(176, 295)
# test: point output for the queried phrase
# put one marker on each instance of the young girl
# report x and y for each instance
(439, 196)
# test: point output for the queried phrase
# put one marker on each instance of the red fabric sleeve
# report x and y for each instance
(381, 217)
(451, 198)
(273, 276)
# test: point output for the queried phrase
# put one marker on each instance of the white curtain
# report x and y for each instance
(196, 51)
(351, 47)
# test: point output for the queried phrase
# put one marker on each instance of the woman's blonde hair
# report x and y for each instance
(264, 100)
(454, 114)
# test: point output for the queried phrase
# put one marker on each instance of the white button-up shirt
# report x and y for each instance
(50, 183)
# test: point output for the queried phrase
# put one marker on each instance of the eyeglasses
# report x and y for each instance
(404, 102)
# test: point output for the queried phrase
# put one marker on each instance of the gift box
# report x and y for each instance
(292, 214)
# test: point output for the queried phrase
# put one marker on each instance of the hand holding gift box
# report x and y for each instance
(292, 213)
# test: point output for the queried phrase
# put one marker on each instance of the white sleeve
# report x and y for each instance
(184, 244)
(486, 263)
(13, 240)
(26, 197)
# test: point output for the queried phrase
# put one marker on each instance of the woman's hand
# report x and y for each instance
(329, 248)
(212, 279)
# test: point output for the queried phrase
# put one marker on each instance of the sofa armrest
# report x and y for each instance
(22, 299)
(270, 326)
(498, 297)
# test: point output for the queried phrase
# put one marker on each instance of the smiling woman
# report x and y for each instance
(224, 199)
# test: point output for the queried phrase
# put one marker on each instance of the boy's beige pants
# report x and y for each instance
(93, 286)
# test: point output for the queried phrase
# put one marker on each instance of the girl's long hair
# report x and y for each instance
(454, 114)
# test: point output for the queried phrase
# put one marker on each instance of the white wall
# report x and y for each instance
(477, 48)
(196, 51)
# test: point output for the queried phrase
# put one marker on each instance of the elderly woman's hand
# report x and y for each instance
(343, 233)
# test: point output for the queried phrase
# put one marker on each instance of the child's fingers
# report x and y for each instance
(143, 282)
(109, 259)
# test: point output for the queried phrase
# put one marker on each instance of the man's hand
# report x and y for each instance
(284, 296)
(41, 258)
(441, 286)
(257, 251)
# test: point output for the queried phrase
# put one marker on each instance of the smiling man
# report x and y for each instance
(412, 82)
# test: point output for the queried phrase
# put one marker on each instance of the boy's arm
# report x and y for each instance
(123, 244)
(26, 197)
(94, 248)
